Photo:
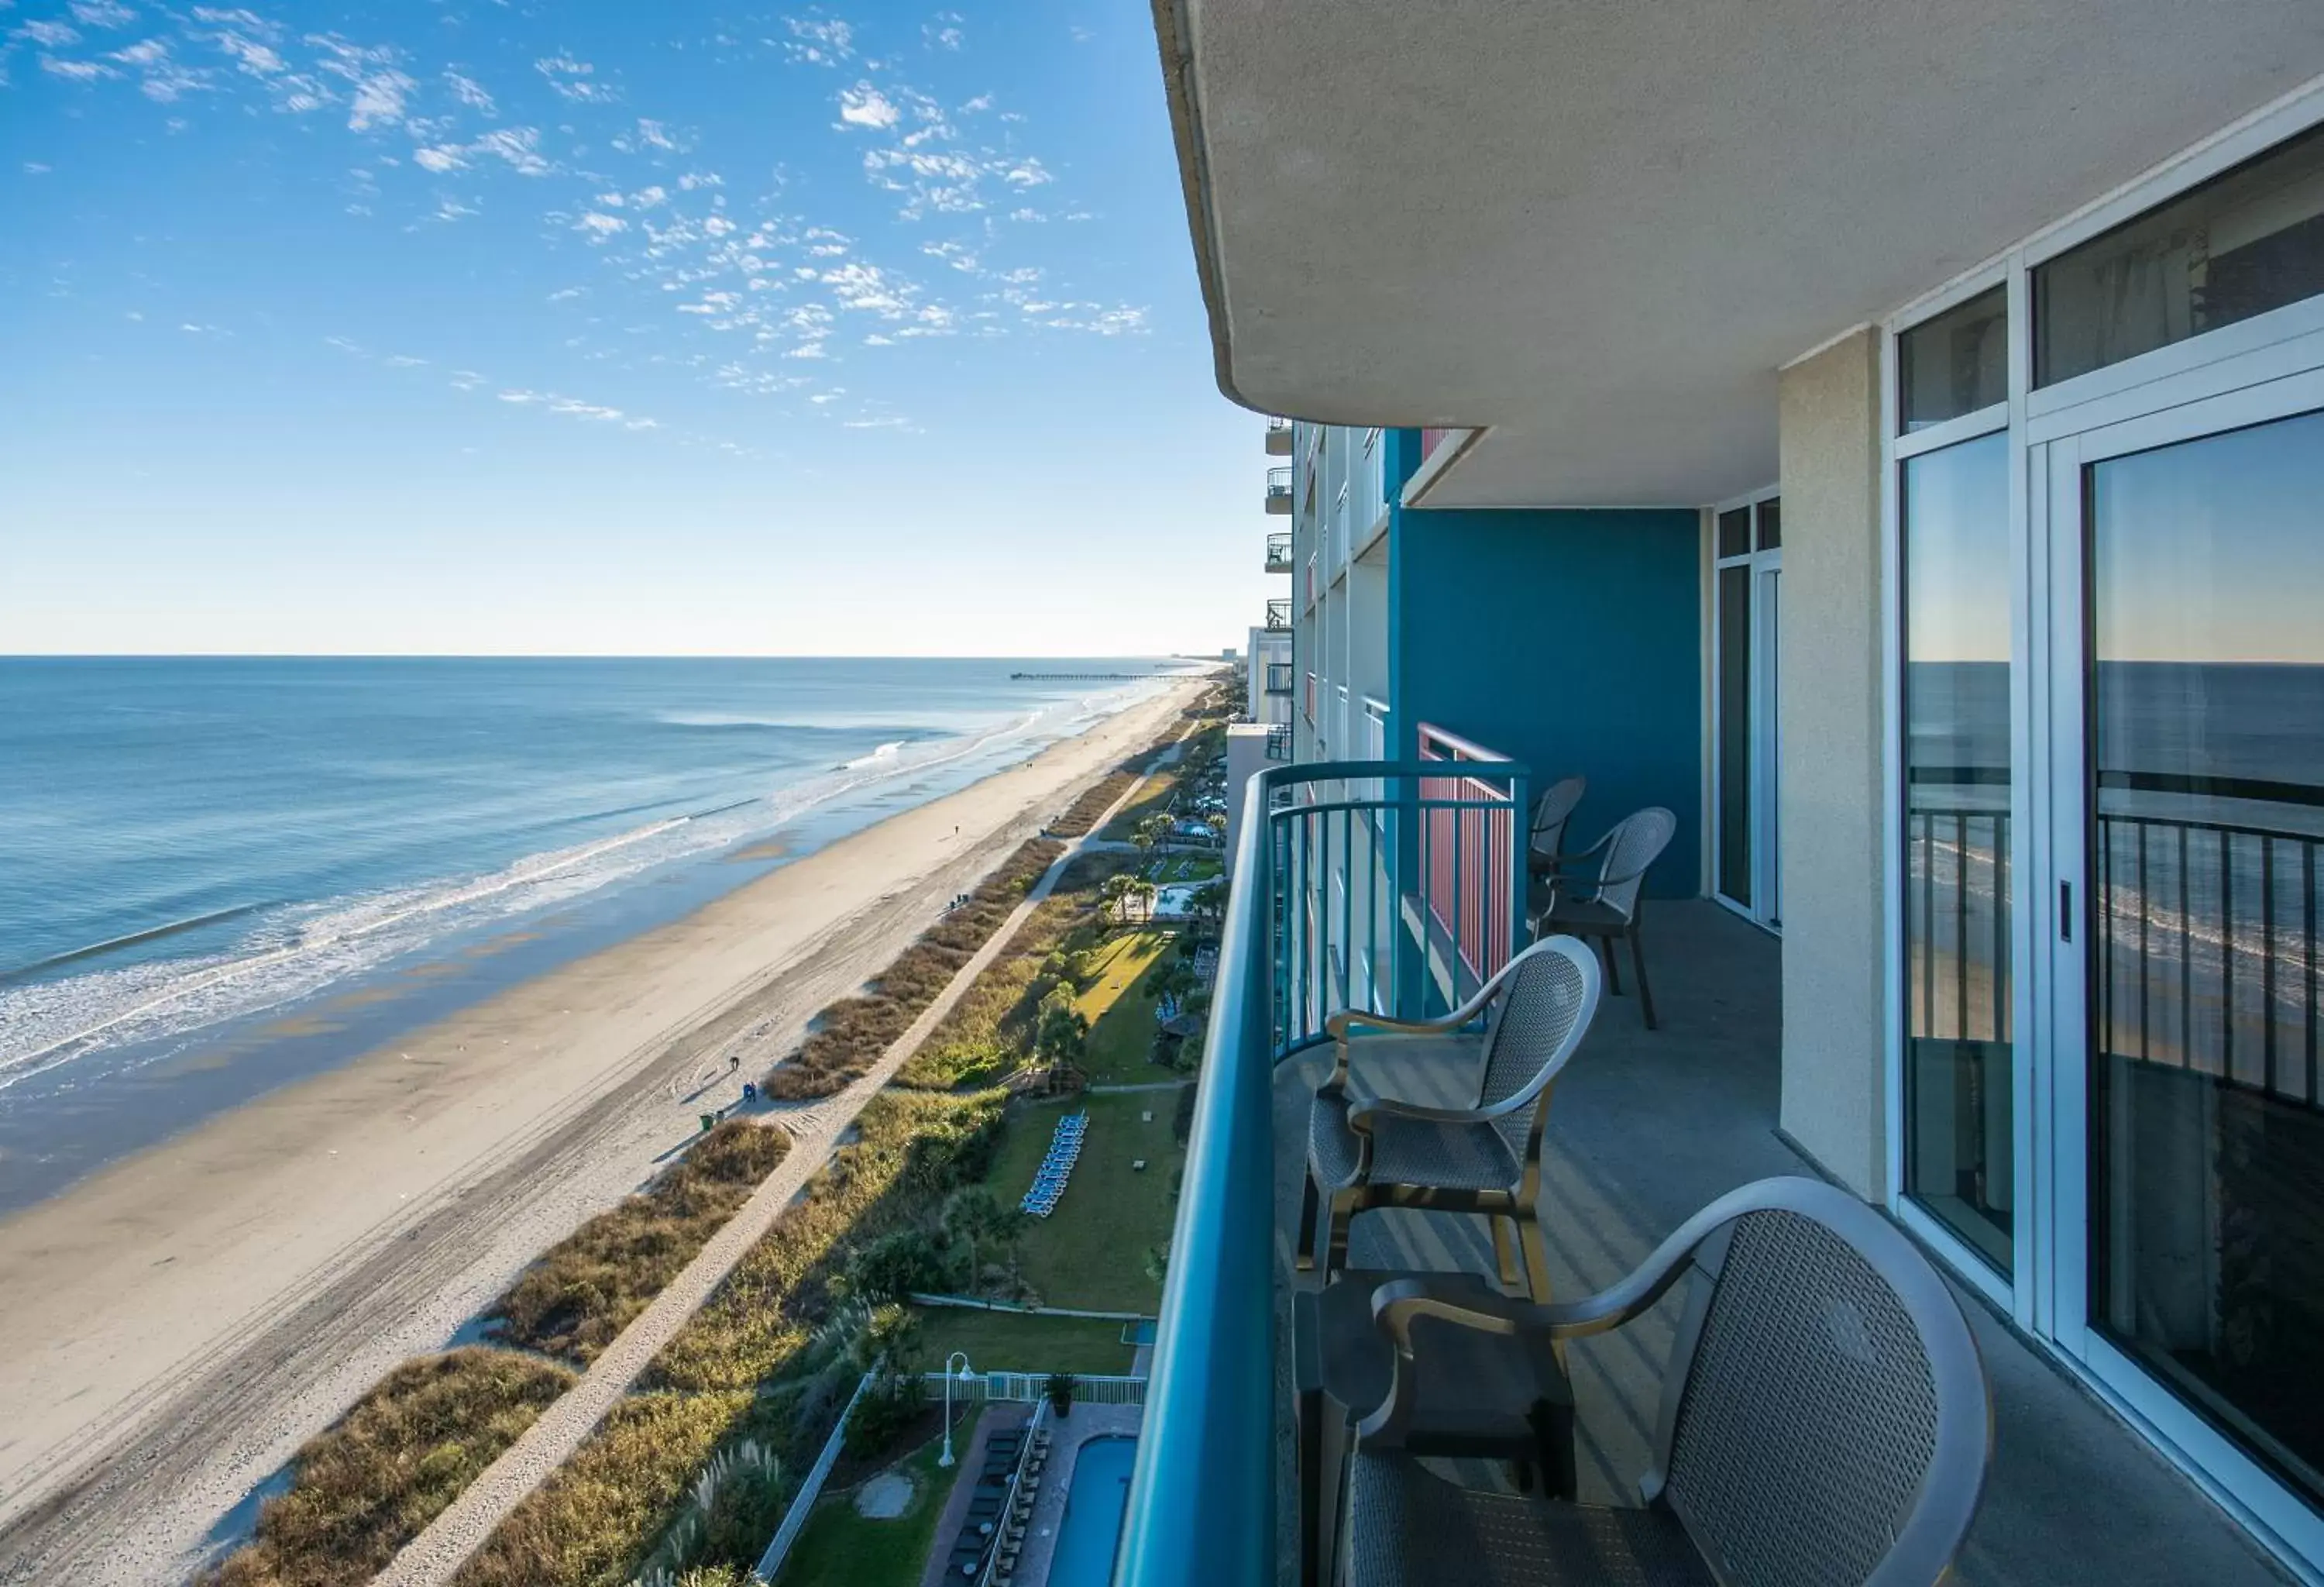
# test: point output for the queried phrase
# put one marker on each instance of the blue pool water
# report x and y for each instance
(1094, 1509)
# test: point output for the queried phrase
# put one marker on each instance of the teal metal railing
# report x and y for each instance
(1330, 909)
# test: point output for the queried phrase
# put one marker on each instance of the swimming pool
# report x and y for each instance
(1094, 1509)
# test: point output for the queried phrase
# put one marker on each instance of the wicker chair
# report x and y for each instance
(1546, 849)
(1606, 907)
(1366, 1150)
(1825, 1419)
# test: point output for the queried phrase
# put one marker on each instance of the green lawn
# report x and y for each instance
(1151, 800)
(1121, 1016)
(1010, 1342)
(1090, 1252)
(839, 1548)
(1184, 867)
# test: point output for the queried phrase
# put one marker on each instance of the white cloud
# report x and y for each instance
(944, 32)
(560, 295)
(572, 78)
(519, 147)
(982, 102)
(1027, 173)
(470, 93)
(406, 361)
(52, 35)
(103, 13)
(519, 397)
(34, 167)
(703, 179)
(819, 42)
(656, 135)
(442, 158)
(865, 106)
(601, 226)
(79, 71)
(378, 90)
(647, 198)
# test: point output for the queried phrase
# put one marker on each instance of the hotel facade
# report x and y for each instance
(1892, 442)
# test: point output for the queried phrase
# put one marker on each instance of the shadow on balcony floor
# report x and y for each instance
(1648, 1126)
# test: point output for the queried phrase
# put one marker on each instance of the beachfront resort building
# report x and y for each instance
(1887, 442)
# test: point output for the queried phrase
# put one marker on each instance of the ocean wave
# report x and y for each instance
(295, 951)
(887, 751)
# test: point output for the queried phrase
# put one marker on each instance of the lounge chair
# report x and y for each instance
(1608, 905)
(1366, 1150)
(1824, 1418)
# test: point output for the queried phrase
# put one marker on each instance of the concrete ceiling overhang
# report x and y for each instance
(1595, 228)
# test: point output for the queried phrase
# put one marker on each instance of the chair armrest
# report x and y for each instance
(1363, 1106)
(1340, 1025)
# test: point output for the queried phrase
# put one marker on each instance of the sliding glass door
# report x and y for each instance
(1747, 573)
(2187, 770)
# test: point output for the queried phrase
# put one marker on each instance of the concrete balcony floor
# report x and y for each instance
(1647, 1127)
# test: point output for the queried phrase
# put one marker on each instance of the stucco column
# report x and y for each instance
(1829, 709)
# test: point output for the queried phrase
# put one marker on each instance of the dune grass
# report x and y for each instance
(738, 1369)
(624, 1483)
(368, 1484)
(583, 1291)
(848, 1036)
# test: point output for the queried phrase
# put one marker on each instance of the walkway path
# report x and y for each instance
(440, 1550)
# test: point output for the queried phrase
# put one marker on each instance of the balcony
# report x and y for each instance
(1382, 884)
(1278, 616)
(1278, 678)
(1279, 553)
(1278, 438)
(1279, 739)
(1278, 492)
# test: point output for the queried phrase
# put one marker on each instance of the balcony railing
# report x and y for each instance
(1278, 678)
(1278, 438)
(1279, 553)
(1278, 490)
(1328, 910)
(1278, 614)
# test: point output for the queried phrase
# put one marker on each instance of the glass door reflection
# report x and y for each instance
(2204, 786)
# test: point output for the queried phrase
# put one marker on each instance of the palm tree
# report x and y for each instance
(973, 1213)
(1061, 1032)
(1143, 891)
(1114, 892)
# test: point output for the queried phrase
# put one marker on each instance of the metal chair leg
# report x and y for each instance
(1504, 1255)
(1303, 1258)
(1537, 1256)
(1613, 973)
(1335, 1249)
(1639, 963)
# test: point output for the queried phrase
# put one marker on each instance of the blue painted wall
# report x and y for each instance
(1569, 640)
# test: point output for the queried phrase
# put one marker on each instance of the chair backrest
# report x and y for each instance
(1542, 1012)
(1637, 842)
(1552, 811)
(1826, 1420)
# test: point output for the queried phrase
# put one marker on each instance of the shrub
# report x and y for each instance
(850, 1036)
(897, 1264)
(885, 1412)
(371, 1482)
(583, 1290)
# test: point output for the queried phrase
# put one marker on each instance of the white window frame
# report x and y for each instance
(2267, 366)
(1767, 722)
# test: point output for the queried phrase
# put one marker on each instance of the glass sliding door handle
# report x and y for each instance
(2065, 911)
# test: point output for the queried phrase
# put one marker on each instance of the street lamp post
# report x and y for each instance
(967, 1377)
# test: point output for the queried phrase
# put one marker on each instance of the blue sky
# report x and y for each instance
(656, 328)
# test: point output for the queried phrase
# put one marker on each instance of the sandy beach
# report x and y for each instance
(177, 1325)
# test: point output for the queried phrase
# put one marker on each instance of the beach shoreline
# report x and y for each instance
(180, 1320)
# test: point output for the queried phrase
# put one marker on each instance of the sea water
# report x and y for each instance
(200, 859)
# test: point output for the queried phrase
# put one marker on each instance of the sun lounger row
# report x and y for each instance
(1057, 1166)
(1021, 1513)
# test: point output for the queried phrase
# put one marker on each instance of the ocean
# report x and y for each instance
(195, 855)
